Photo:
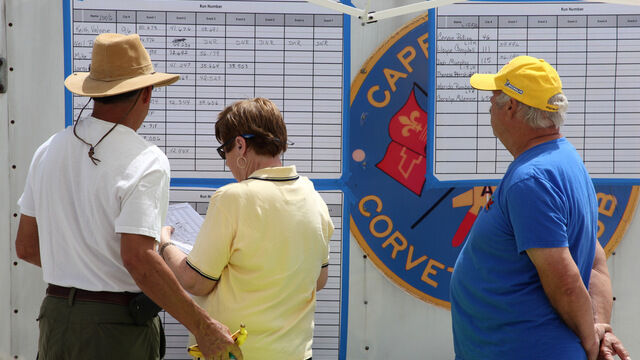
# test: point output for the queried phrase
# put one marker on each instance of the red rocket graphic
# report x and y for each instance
(477, 198)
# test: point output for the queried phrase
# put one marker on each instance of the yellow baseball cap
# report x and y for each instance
(527, 79)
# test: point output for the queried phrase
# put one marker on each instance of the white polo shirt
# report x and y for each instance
(82, 208)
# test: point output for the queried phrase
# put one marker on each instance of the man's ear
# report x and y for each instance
(512, 105)
(146, 94)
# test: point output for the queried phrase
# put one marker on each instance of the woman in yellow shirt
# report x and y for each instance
(263, 249)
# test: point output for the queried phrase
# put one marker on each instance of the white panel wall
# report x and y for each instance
(392, 323)
(385, 322)
(5, 263)
(396, 325)
(624, 268)
(36, 105)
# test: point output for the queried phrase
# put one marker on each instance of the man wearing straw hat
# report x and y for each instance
(91, 214)
(531, 281)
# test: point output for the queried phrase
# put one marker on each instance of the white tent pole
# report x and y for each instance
(349, 10)
(407, 9)
(368, 17)
(621, 2)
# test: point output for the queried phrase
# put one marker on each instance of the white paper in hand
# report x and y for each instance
(186, 223)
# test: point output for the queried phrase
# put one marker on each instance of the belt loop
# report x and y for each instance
(72, 295)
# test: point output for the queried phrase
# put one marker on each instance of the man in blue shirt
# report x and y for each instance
(520, 285)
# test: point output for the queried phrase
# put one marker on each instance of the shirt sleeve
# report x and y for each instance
(328, 233)
(538, 214)
(213, 246)
(145, 207)
(27, 200)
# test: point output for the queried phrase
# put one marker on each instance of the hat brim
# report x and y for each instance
(484, 81)
(81, 84)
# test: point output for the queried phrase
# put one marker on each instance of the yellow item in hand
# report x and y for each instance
(240, 336)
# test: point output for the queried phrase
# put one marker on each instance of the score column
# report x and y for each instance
(180, 98)
(269, 72)
(327, 96)
(487, 64)
(570, 64)
(298, 89)
(240, 57)
(456, 102)
(627, 94)
(210, 84)
(151, 26)
(601, 58)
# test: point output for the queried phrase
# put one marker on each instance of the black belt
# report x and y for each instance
(117, 298)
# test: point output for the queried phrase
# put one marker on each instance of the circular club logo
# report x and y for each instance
(413, 233)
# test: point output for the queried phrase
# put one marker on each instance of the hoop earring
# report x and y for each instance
(244, 164)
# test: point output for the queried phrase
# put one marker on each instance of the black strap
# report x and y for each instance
(91, 146)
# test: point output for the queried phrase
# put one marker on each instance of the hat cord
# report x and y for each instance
(91, 146)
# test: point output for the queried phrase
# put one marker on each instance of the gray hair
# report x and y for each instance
(538, 118)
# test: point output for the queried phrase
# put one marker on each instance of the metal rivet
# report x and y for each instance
(15, 311)
(15, 214)
(10, 24)
(364, 256)
(12, 121)
(11, 69)
(15, 263)
(366, 347)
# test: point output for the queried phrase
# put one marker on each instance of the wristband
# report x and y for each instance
(162, 247)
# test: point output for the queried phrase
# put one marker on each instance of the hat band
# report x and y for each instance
(133, 72)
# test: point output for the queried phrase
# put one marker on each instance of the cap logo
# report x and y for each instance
(510, 86)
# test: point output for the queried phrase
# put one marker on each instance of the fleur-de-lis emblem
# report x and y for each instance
(410, 123)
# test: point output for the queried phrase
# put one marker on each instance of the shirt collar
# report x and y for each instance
(282, 173)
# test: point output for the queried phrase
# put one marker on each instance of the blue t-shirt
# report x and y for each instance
(498, 307)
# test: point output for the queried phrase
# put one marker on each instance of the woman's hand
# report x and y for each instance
(165, 239)
(165, 234)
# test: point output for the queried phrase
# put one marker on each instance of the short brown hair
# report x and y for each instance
(259, 117)
(108, 100)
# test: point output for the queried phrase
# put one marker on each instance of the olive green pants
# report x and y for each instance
(71, 330)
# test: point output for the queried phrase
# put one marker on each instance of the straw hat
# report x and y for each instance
(119, 63)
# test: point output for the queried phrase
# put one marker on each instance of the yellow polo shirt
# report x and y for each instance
(265, 240)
